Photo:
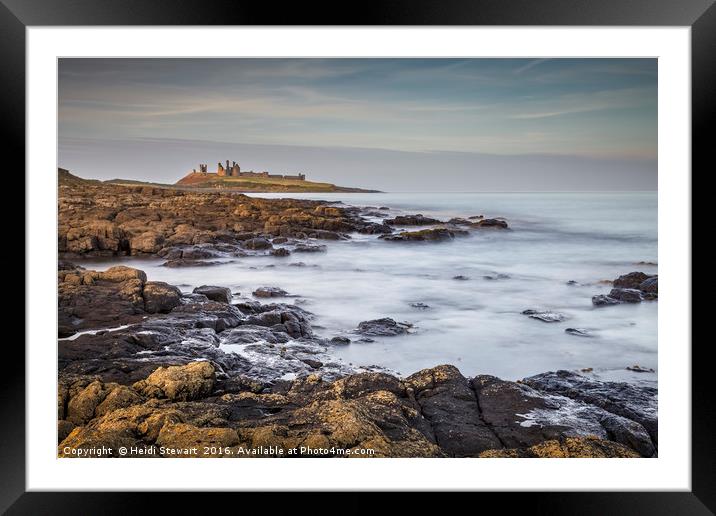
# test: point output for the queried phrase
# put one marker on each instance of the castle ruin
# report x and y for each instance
(234, 170)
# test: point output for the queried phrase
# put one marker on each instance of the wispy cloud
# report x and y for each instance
(475, 105)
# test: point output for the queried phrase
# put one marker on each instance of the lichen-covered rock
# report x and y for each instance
(160, 297)
(189, 382)
(568, 447)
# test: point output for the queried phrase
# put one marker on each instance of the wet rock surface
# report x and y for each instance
(386, 327)
(634, 287)
(412, 220)
(545, 315)
(252, 374)
(433, 234)
(270, 292)
(220, 294)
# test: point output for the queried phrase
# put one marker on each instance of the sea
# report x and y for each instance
(557, 254)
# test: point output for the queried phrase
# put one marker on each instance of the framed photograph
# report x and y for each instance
(428, 240)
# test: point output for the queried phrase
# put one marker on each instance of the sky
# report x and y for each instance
(391, 124)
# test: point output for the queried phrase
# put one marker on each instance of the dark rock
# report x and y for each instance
(640, 369)
(631, 280)
(340, 340)
(315, 364)
(373, 228)
(433, 234)
(270, 292)
(498, 276)
(220, 294)
(181, 262)
(460, 277)
(420, 306)
(578, 332)
(308, 248)
(626, 295)
(411, 220)
(449, 404)
(604, 300)
(490, 223)
(383, 327)
(522, 416)
(650, 285)
(257, 243)
(281, 251)
(638, 403)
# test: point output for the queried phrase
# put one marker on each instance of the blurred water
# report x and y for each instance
(474, 324)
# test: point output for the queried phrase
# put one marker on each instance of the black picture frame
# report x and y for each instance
(16, 15)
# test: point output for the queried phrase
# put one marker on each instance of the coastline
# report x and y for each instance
(286, 389)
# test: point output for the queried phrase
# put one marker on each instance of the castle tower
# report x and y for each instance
(221, 171)
(235, 170)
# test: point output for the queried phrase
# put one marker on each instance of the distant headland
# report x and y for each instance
(229, 175)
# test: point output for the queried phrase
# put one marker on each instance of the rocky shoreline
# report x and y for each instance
(144, 366)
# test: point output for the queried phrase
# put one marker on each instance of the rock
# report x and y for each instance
(522, 416)
(626, 295)
(160, 297)
(637, 403)
(307, 248)
(64, 428)
(81, 407)
(207, 442)
(281, 251)
(95, 299)
(433, 234)
(650, 285)
(192, 381)
(372, 228)
(447, 401)
(386, 327)
(420, 306)
(315, 364)
(631, 280)
(340, 340)
(257, 243)
(498, 276)
(269, 292)
(460, 277)
(567, 447)
(545, 315)
(630, 288)
(219, 294)
(411, 220)
(197, 253)
(436, 412)
(490, 223)
(182, 262)
(578, 332)
(640, 369)
(603, 300)
(147, 242)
